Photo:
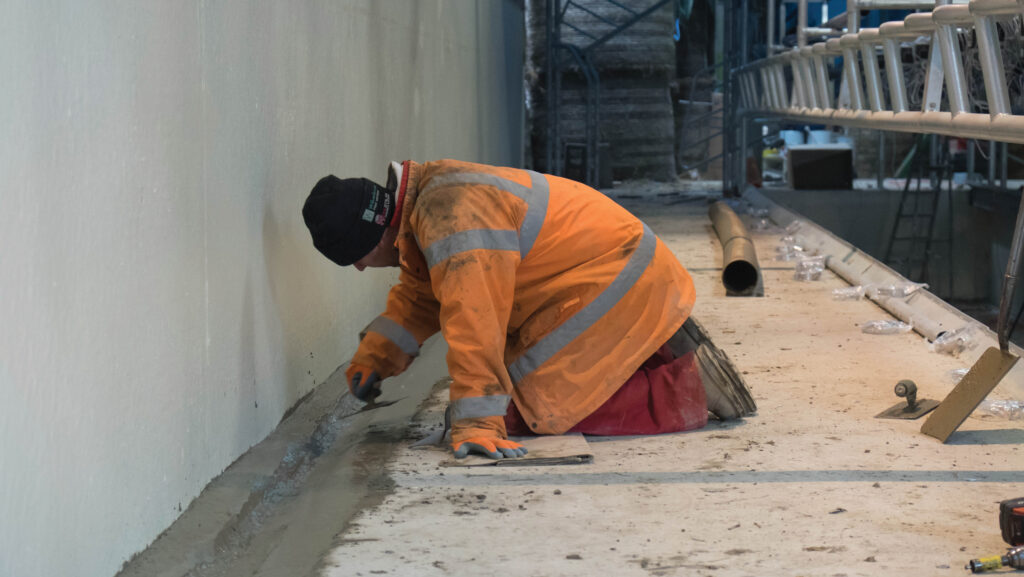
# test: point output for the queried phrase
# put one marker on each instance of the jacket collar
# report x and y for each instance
(407, 175)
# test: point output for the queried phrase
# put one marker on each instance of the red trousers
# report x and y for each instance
(665, 395)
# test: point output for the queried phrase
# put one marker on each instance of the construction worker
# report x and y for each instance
(562, 311)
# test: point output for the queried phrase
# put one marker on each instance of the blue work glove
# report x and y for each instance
(363, 383)
(491, 447)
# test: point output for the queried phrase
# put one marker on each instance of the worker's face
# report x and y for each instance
(385, 254)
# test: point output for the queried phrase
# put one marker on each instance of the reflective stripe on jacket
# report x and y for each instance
(547, 292)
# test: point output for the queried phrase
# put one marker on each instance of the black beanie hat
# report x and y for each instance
(347, 218)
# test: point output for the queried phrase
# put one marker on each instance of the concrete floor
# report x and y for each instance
(811, 485)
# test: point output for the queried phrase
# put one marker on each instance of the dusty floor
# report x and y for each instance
(811, 485)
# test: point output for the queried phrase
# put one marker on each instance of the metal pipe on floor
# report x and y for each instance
(926, 327)
(740, 271)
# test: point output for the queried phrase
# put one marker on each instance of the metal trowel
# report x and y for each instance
(993, 364)
(330, 424)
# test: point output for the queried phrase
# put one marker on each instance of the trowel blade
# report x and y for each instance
(349, 406)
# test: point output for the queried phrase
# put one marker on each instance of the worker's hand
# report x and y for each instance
(363, 382)
(492, 447)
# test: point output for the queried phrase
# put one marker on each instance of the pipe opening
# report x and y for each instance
(739, 276)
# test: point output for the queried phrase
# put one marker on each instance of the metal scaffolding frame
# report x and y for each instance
(556, 11)
(735, 53)
(806, 95)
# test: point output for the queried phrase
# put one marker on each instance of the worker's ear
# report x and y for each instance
(390, 237)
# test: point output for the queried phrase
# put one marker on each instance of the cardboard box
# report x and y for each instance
(820, 166)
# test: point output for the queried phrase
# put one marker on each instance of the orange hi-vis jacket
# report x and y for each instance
(548, 293)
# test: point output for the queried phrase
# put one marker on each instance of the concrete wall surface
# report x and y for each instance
(161, 305)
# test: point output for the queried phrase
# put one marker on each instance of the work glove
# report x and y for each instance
(363, 382)
(491, 447)
(484, 436)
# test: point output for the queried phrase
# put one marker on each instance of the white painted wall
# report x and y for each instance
(161, 305)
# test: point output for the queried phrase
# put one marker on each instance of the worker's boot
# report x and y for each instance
(728, 396)
(727, 393)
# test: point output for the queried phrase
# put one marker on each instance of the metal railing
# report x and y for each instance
(807, 94)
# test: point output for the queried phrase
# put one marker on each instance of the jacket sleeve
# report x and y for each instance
(392, 340)
(472, 249)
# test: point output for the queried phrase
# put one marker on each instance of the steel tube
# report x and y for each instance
(894, 70)
(852, 69)
(758, 92)
(833, 48)
(799, 88)
(992, 65)
(807, 69)
(850, 45)
(997, 7)
(769, 90)
(821, 67)
(746, 97)
(932, 99)
(778, 86)
(953, 65)
(740, 271)
(806, 89)
(925, 326)
(768, 100)
(895, 4)
(868, 38)
(801, 23)
(953, 14)
(824, 83)
(1005, 128)
(892, 33)
(779, 71)
(775, 102)
(922, 24)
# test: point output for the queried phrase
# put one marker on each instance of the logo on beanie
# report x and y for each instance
(378, 209)
(387, 208)
(370, 214)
